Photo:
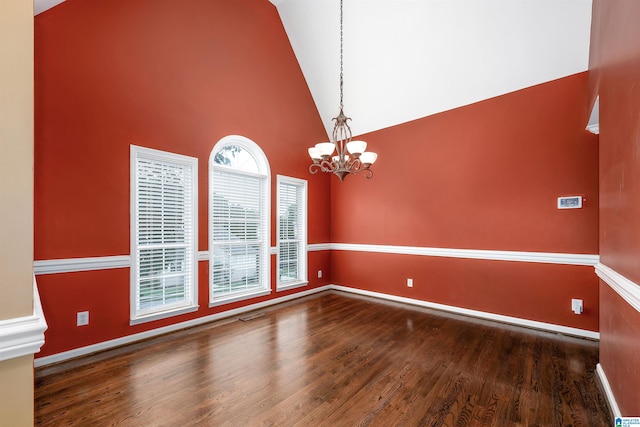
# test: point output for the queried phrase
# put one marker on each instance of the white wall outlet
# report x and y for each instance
(319, 274)
(82, 318)
(410, 283)
(576, 306)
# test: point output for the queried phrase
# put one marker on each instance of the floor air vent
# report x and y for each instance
(251, 316)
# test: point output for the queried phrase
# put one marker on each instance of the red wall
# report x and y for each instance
(170, 75)
(616, 67)
(620, 349)
(178, 76)
(484, 176)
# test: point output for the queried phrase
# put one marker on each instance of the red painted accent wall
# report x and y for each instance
(619, 348)
(616, 66)
(178, 76)
(484, 176)
(539, 292)
(619, 90)
(165, 74)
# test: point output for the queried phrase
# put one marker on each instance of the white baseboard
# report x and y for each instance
(550, 327)
(608, 393)
(105, 345)
(82, 351)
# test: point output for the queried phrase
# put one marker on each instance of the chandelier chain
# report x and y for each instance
(341, 65)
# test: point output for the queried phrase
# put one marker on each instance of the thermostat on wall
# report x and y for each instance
(570, 202)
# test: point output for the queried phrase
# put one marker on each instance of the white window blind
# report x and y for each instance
(292, 232)
(239, 222)
(164, 233)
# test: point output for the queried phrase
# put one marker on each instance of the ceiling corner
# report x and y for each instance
(277, 3)
(40, 6)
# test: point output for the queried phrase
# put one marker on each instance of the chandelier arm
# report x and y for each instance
(354, 165)
(367, 172)
(323, 166)
(357, 166)
(328, 165)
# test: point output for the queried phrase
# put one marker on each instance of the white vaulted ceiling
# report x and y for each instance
(408, 59)
(40, 6)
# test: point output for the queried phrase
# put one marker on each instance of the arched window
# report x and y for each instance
(238, 220)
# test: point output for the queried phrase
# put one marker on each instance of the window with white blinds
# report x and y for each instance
(164, 245)
(292, 232)
(239, 221)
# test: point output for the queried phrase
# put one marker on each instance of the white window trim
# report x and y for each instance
(302, 253)
(192, 305)
(265, 173)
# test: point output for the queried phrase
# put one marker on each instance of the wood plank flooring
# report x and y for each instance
(332, 359)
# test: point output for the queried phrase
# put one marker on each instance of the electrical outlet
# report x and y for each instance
(82, 318)
(576, 306)
(319, 274)
(410, 283)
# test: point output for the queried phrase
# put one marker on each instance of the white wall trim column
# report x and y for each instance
(23, 335)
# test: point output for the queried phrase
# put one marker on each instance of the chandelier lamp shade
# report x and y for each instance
(350, 156)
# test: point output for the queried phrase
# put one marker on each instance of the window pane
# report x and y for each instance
(289, 261)
(161, 195)
(237, 158)
(237, 203)
(236, 268)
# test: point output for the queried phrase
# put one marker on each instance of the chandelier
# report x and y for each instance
(350, 157)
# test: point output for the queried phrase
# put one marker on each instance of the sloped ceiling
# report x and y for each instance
(40, 6)
(408, 59)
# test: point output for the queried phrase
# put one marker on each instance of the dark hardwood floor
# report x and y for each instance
(332, 359)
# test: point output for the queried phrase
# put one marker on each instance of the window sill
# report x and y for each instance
(163, 315)
(238, 297)
(291, 285)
